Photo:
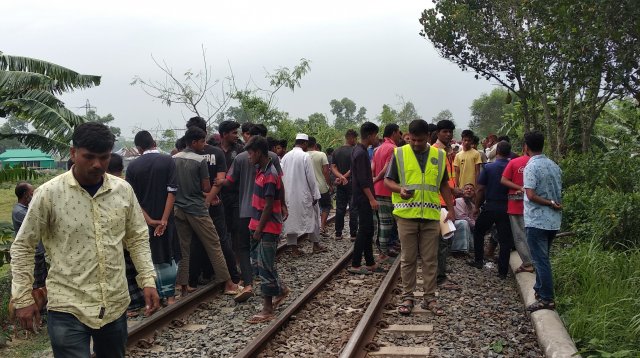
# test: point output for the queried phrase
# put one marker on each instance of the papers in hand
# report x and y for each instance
(447, 227)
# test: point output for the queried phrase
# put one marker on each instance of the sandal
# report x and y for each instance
(235, 292)
(279, 299)
(259, 318)
(378, 269)
(359, 270)
(405, 308)
(243, 296)
(432, 306)
(541, 305)
(523, 268)
(319, 249)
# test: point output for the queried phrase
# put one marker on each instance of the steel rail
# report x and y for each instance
(364, 330)
(147, 327)
(258, 343)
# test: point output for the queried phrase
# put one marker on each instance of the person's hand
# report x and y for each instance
(405, 194)
(555, 206)
(285, 212)
(29, 317)
(215, 201)
(257, 235)
(451, 216)
(457, 192)
(374, 204)
(151, 300)
(160, 228)
(219, 182)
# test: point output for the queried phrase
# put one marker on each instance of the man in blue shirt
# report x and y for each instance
(493, 196)
(542, 215)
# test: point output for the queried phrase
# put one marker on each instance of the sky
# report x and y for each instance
(368, 51)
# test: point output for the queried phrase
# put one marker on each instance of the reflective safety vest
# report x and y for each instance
(425, 202)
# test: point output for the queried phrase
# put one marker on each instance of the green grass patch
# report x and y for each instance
(7, 200)
(5, 293)
(598, 298)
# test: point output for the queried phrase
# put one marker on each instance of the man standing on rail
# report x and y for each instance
(416, 175)
(542, 215)
(91, 217)
(266, 226)
(341, 168)
(302, 201)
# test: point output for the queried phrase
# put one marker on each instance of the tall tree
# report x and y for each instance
(407, 114)
(28, 89)
(345, 112)
(388, 115)
(443, 115)
(92, 116)
(489, 112)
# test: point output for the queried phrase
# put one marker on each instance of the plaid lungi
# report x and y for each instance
(135, 293)
(383, 223)
(263, 259)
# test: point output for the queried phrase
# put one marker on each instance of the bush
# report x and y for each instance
(597, 295)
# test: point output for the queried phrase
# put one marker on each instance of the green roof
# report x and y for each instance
(34, 159)
(24, 154)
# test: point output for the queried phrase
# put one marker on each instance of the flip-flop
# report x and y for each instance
(279, 299)
(521, 268)
(243, 296)
(260, 318)
(433, 307)
(359, 270)
(378, 269)
(235, 292)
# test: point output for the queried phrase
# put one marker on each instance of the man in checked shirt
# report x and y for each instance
(85, 218)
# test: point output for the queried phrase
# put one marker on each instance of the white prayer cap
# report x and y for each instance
(302, 136)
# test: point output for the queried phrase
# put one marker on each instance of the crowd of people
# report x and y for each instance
(218, 205)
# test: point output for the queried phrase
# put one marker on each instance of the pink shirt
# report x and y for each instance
(515, 172)
(382, 156)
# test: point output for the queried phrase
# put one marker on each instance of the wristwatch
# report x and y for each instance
(553, 203)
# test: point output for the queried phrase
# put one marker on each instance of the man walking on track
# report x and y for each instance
(341, 168)
(85, 218)
(416, 175)
(302, 197)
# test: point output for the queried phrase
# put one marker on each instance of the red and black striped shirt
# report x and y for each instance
(267, 183)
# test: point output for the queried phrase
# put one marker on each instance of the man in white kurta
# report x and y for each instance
(302, 197)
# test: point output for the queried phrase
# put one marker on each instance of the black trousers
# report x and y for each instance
(343, 198)
(485, 220)
(364, 239)
(200, 262)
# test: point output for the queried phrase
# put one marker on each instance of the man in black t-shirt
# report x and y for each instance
(341, 169)
(217, 165)
(153, 178)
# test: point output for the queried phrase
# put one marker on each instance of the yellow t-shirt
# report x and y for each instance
(466, 161)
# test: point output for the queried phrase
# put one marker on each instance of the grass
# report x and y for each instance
(598, 298)
(7, 200)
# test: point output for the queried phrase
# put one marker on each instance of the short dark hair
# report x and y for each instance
(258, 144)
(503, 148)
(445, 124)
(476, 140)
(418, 127)
(534, 141)
(329, 151)
(214, 140)
(198, 122)
(300, 142)
(282, 143)
(21, 189)
(432, 127)
(351, 133)
(116, 164)
(93, 136)
(467, 133)
(258, 129)
(272, 142)
(319, 146)
(246, 127)
(504, 138)
(368, 128)
(312, 141)
(227, 126)
(193, 133)
(181, 144)
(144, 140)
(389, 129)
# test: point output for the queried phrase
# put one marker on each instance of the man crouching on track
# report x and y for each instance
(415, 177)
(265, 226)
(85, 218)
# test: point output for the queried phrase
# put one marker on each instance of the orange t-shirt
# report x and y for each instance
(450, 170)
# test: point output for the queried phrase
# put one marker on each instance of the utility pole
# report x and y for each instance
(88, 107)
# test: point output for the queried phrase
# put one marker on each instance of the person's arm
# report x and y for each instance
(511, 185)
(383, 172)
(205, 184)
(212, 195)
(447, 195)
(360, 165)
(457, 178)
(34, 228)
(149, 220)
(311, 179)
(336, 172)
(327, 177)
(533, 196)
(475, 178)
(136, 241)
(168, 208)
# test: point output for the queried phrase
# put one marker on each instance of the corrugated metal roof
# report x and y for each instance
(30, 159)
(24, 153)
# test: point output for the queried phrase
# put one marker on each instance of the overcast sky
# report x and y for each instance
(369, 51)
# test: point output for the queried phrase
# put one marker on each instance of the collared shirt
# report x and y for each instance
(191, 168)
(515, 172)
(464, 211)
(84, 237)
(17, 215)
(361, 174)
(545, 177)
(267, 184)
(381, 157)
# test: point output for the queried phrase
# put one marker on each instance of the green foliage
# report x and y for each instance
(6, 238)
(17, 173)
(387, 116)
(490, 112)
(597, 296)
(92, 116)
(345, 112)
(407, 114)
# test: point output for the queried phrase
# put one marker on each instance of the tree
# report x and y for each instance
(490, 111)
(361, 117)
(443, 115)
(407, 114)
(92, 116)
(387, 116)
(564, 60)
(345, 110)
(28, 89)
(12, 126)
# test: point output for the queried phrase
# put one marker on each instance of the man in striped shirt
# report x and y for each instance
(265, 226)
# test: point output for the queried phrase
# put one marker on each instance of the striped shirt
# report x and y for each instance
(267, 184)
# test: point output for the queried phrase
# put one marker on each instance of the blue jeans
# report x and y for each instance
(539, 241)
(462, 237)
(70, 337)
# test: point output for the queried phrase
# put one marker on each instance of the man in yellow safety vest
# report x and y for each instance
(415, 177)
